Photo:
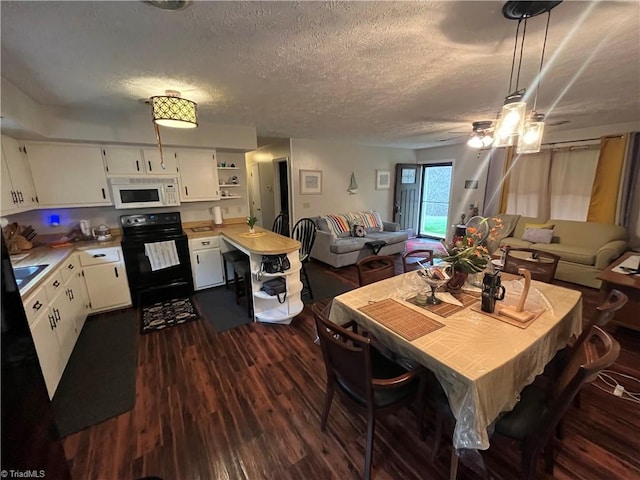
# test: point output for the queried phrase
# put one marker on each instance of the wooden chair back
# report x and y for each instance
(374, 268)
(542, 265)
(281, 224)
(347, 356)
(305, 232)
(411, 258)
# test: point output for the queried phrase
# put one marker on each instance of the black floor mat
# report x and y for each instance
(99, 381)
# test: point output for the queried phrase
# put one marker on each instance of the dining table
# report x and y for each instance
(481, 360)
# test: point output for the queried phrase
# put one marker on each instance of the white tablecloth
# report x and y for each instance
(482, 363)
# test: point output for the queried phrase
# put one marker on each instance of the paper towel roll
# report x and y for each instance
(217, 216)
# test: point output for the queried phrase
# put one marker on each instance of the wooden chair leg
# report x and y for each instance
(306, 277)
(453, 467)
(422, 431)
(368, 454)
(549, 453)
(529, 463)
(437, 434)
(328, 398)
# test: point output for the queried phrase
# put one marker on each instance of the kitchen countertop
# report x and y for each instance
(53, 257)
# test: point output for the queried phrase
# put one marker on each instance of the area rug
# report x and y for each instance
(218, 307)
(99, 381)
(425, 243)
(167, 314)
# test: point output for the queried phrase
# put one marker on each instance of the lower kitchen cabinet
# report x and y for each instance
(56, 312)
(206, 262)
(105, 278)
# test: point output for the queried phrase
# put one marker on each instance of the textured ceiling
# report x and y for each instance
(394, 73)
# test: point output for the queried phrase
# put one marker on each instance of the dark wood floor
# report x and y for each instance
(245, 404)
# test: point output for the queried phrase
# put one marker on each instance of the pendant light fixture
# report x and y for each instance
(170, 110)
(513, 127)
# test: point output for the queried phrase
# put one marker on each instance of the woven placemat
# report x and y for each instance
(505, 319)
(399, 318)
(447, 309)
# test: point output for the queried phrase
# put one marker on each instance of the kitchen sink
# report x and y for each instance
(25, 274)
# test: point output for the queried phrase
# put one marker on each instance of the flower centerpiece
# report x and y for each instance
(251, 222)
(467, 254)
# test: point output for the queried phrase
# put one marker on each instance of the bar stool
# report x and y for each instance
(231, 256)
(242, 273)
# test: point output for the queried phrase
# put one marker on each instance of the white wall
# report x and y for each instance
(337, 161)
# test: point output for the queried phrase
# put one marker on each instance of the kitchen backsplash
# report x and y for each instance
(69, 218)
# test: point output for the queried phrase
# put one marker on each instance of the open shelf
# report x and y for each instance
(290, 291)
(281, 314)
(293, 269)
(228, 168)
(229, 185)
(230, 196)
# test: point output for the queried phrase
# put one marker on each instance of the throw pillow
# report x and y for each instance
(338, 225)
(537, 235)
(548, 226)
(359, 231)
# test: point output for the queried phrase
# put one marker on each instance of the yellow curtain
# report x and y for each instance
(508, 161)
(606, 184)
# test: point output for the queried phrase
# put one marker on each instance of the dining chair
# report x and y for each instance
(281, 224)
(535, 417)
(542, 265)
(365, 377)
(541, 407)
(411, 258)
(305, 232)
(604, 313)
(374, 268)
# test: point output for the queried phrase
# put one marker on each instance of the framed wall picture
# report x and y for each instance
(310, 182)
(383, 179)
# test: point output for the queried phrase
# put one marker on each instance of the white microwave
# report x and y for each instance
(144, 192)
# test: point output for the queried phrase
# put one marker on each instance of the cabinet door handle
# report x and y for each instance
(104, 195)
(206, 243)
(138, 165)
(116, 270)
(71, 293)
(197, 259)
(98, 255)
(14, 197)
(52, 322)
(37, 306)
(70, 266)
(20, 197)
(186, 191)
(56, 284)
(66, 292)
(149, 162)
(56, 314)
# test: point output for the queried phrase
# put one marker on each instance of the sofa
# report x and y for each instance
(585, 248)
(338, 245)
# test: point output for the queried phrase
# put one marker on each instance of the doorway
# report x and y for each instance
(421, 198)
(434, 200)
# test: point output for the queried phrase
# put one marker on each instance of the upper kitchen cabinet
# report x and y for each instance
(18, 193)
(198, 175)
(132, 161)
(153, 162)
(68, 175)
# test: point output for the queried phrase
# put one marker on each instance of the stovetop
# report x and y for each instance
(158, 226)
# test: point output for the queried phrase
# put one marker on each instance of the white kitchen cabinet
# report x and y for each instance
(153, 163)
(46, 342)
(56, 312)
(68, 175)
(17, 173)
(120, 161)
(198, 175)
(105, 278)
(206, 262)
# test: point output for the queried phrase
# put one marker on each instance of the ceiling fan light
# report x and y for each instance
(172, 111)
(475, 142)
(531, 140)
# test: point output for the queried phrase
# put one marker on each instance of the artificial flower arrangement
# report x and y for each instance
(467, 253)
(251, 221)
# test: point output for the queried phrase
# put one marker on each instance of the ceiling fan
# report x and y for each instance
(480, 129)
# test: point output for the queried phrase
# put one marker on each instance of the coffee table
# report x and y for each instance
(628, 284)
